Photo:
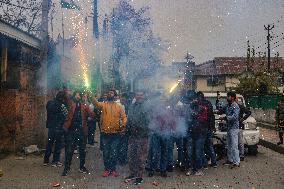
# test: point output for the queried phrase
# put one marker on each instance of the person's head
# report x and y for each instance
(231, 96)
(111, 95)
(77, 95)
(191, 95)
(139, 96)
(61, 96)
(200, 95)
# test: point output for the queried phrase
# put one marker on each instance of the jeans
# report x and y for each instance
(180, 150)
(123, 149)
(198, 141)
(137, 155)
(110, 144)
(91, 131)
(209, 149)
(55, 137)
(159, 159)
(232, 142)
(241, 143)
(73, 139)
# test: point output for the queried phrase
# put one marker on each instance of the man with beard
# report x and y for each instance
(76, 130)
(112, 122)
(232, 111)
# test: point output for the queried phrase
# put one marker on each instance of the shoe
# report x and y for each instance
(53, 164)
(279, 143)
(227, 163)
(115, 173)
(138, 181)
(170, 169)
(65, 172)
(76, 152)
(84, 170)
(151, 174)
(106, 173)
(242, 158)
(45, 164)
(59, 164)
(234, 166)
(188, 173)
(164, 174)
(199, 173)
(129, 178)
(214, 165)
(205, 167)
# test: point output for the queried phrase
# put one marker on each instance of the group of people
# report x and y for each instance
(140, 130)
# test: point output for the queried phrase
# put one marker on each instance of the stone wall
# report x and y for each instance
(266, 116)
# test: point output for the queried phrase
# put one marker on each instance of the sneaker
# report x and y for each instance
(115, 173)
(138, 181)
(234, 166)
(84, 170)
(151, 174)
(205, 167)
(106, 173)
(188, 173)
(164, 174)
(53, 164)
(227, 163)
(129, 178)
(59, 164)
(65, 172)
(242, 158)
(76, 152)
(199, 173)
(214, 165)
(45, 164)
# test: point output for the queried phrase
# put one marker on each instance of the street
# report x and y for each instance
(260, 172)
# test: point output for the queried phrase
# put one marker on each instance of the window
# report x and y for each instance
(215, 80)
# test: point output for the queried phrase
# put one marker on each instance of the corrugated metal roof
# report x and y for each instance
(19, 35)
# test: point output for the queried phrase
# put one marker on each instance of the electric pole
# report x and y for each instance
(268, 28)
(95, 20)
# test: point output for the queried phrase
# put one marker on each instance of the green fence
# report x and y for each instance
(263, 102)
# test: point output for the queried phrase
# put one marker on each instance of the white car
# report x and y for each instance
(251, 132)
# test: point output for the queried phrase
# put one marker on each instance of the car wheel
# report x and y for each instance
(252, 150)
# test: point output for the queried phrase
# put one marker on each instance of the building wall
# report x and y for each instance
(232, 81)
(201, 85)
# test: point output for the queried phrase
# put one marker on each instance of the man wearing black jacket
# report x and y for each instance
(244, 114)
(56, 114)
(208, 148)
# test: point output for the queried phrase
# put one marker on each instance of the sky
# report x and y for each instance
(204, 28)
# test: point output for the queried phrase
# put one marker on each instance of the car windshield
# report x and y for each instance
(222, 101)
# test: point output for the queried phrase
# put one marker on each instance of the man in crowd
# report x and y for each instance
(137, 128)
(208, 148)
(161, 127)
(76, 132)
(56, 114)
(244, 114)
(199, 129)
(232, 111)
(279, 116)
(112, 123)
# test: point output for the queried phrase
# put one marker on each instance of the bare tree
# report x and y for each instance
(23, 14)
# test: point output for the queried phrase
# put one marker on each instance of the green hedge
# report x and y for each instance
(263, 102)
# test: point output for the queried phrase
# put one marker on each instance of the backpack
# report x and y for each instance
(203, 113)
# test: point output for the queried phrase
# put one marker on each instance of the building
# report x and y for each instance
(222, 73)
(22, 110)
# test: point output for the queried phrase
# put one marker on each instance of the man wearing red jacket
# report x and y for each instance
(76, 130)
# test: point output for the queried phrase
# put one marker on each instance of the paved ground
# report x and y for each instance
(264, 171)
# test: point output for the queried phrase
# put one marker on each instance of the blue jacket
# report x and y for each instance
(232, 114)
